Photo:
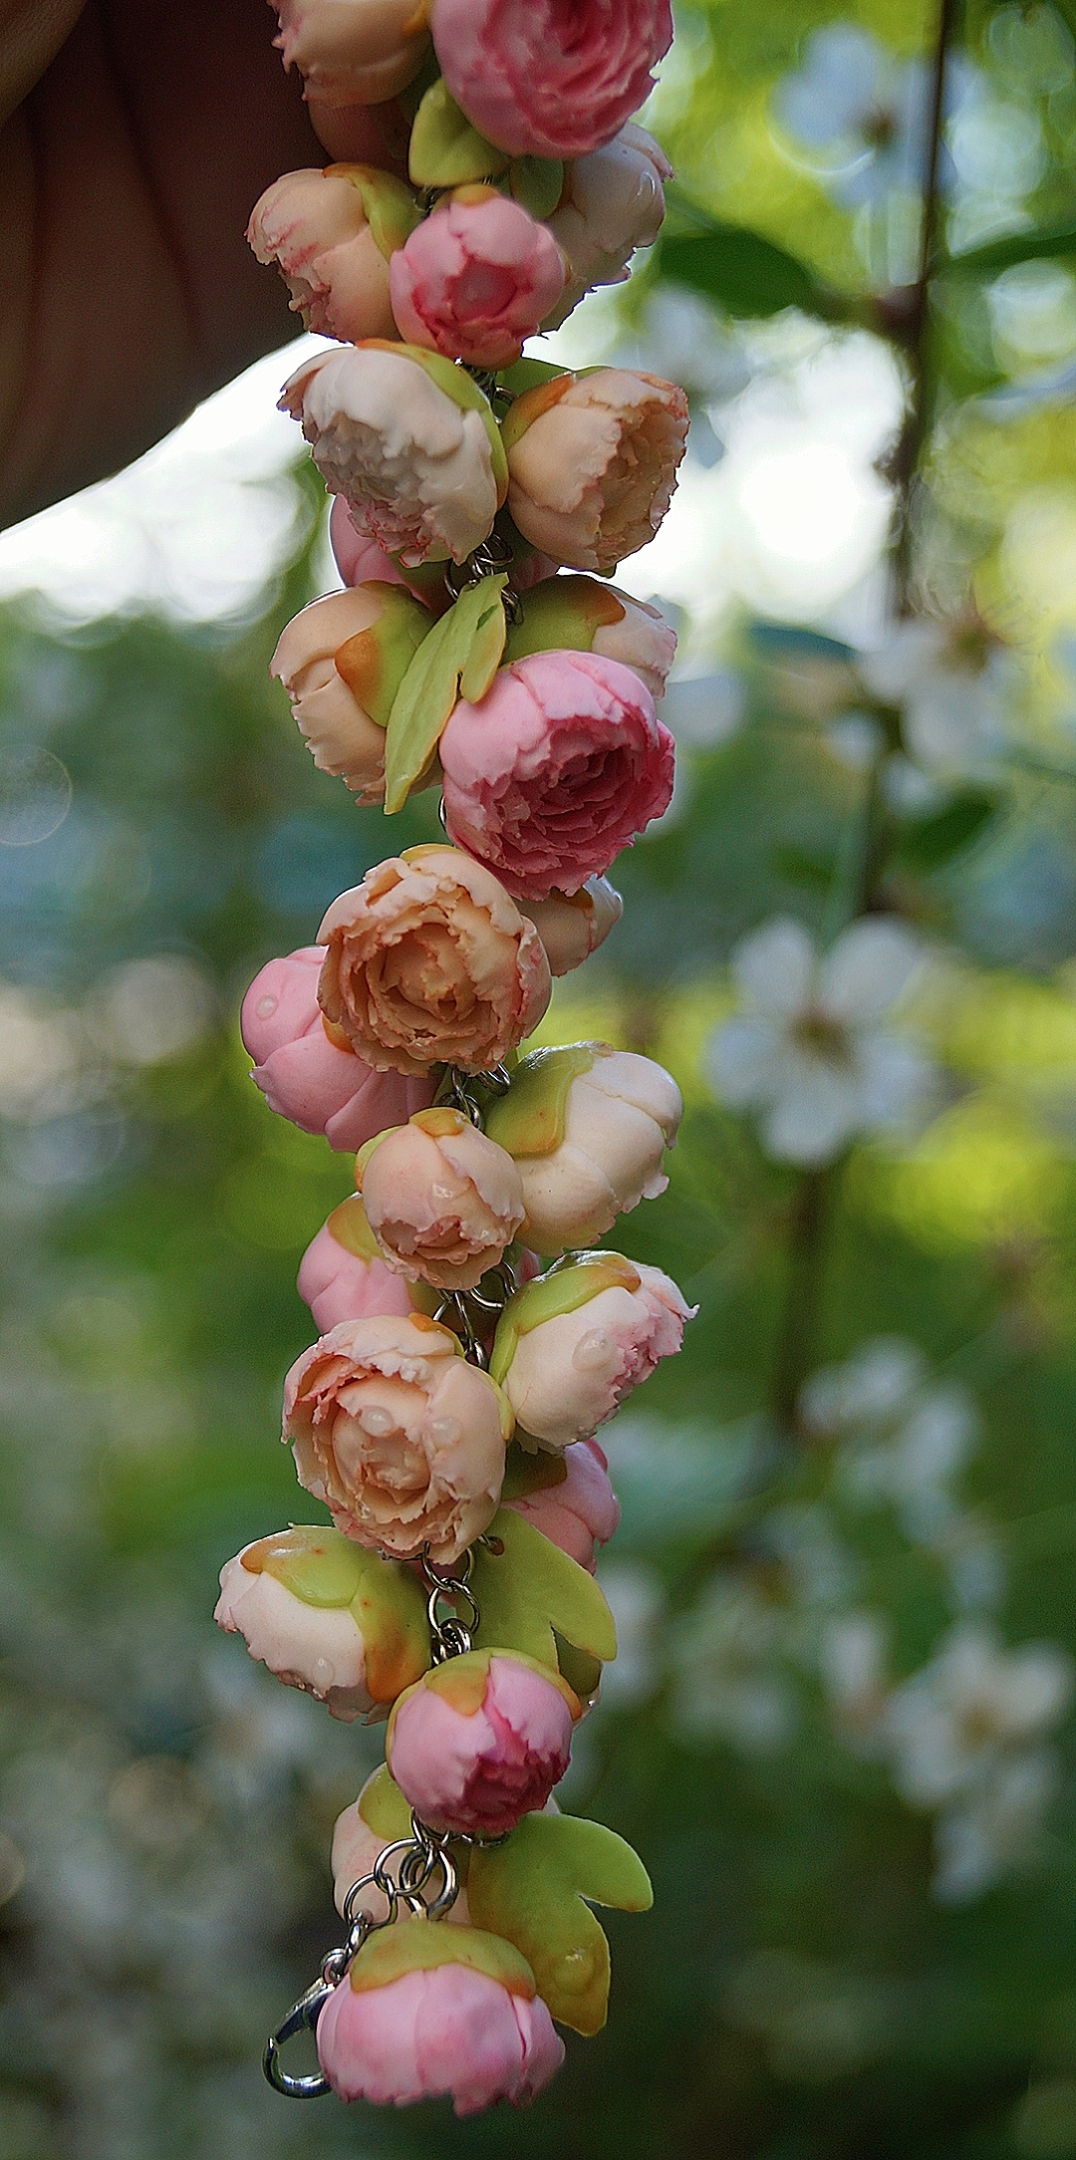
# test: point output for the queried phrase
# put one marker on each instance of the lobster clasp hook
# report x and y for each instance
(302, 2017)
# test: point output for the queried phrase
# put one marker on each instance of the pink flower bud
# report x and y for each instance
(355, 1847)
(362, 562)
(582, 1512)
(605, 1152)
(480, 1741)
(570, 1373)
(441, 1199)
(319, 1649)
(337, 1285)
(542, 80)
(613, 203)
(429, 962)
(559, 767)
(313, 226)
(305, 1077)
(415, 464)
(573, 925)
(400, 1437)
(476, 278)
(353, 52)
(592, 464)
(341, 660)
(450, 2025)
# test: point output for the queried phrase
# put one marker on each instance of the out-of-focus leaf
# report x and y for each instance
(801, 867)
(1012, 248)
(932, 841)
(745, 273)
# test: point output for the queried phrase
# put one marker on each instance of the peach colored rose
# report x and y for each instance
(313, 226)
(317, 1648)
(353, 52)
(429, 962)
(592, 465)
(618, 1119)
(341, 661)
(320, 1086)
(441, 1199)
(613, 202)
(543, 80)
(573, 925)
(570, 1373)
(400, 1437)
(476, 278)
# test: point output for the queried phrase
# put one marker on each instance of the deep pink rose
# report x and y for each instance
(562, 763)
(476, 1747)
(541, 78)
(476, 278)
(580, 1513)
(303, 1076)
(337, 1285)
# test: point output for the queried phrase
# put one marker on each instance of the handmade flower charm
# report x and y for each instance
(416, 455)
(476, 278)
(541, 81)
(592, 464)
(442, 1200)
(480, 1741)
(588, 1127)
(400, 1437)
(613, 202)
(573, 925)
(341, 1285)
(346, 1629)
(314, 226)
(582, 614)
(428, 961)
(308, 1078)
(342, 660)
(557, 768)
(574, 1343)
(580, 1511)
(353, 52)
(425, 2012)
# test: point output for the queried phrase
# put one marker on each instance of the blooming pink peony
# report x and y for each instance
(559, 767)
(441, 1199)
(313, 226)
(400, 1437)
(592, 463)
(337, 1285)
(580, 1513)
(353, 52)
(305, 1077)
(543, 79)
(480, 1741)
(449, 2028)
(572, 927)
(613, 202)
(571, 1373)
(429, 962)
(476, 278)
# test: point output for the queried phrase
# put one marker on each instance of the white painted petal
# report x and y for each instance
(817, 1112)
(775, 967)
(867, 970)
(742, 1058)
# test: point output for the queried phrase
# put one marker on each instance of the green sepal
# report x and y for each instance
(562, 1290)
(418, 1945)
(323, 1568)
(374, 662)
(461, 652)
(530, 1890)
(537, 183)
(529, 1118)
(525, 1473)
(389, 207)
(383, 1808)
(529, 1592)
(349, 1226)
(527, 375)
(531, 402)
(446, 151)
(563, 614)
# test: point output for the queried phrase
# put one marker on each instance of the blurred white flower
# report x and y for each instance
(874, 1385)
(725, 1682)
(820, 1568)
(808, 1052)
(954, 683)
(999, 1827)
(852, 1666)
(970, 1710)
(865, 113)
(636, 1600)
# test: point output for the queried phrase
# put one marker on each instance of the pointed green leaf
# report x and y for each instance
(526, 1588)
(747, 274)
(431, 686)
(446, 151)
(530, 1890)
(525, 1473)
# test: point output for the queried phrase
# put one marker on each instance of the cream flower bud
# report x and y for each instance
(572, 926)
(442, 1200)
(572, 1345)
(613, 202)
(583, 614)
(592, 463)
(341, 660)
(328, 1618)
(588, 1127)
(314, 226)
(353, 52)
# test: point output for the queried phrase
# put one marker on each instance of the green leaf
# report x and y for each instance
(465, 646)
(932, 841)
(527, 375)
(446, 151)
(537, 183)
(529, 1118)
(525, 1473)
(530, 1890)
(323, 1568)
(745, 274)
(528, 1588)
(1000, 254)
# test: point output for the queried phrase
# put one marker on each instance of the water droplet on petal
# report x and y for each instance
(266, 1007)
(376, 1420)
(593, 1350)
(444, 1431)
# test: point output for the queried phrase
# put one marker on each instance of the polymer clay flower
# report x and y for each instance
(588, 1127)
(321, 1086)
(613, 202)
(361, 562)
(573, 925)
(415, 452)
(400, 1437)
(581, 1511)
(361, 1833)
(352, 1644)
(429, 962)
(557, 768)
(585, 614)
(442, 1200)
(353, 52)
(592, 463)
(542, 80)
(426, 2011)
(341, 1285)
(573, 1344)
(480, 1741)
(341, 660)
(476, 278)
(313, 226)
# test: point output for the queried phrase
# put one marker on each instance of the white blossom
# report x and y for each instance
(726, 1684)
(807, 1050)
(999, 1827)
(972, 1708)
(953, 683)
(864, 113)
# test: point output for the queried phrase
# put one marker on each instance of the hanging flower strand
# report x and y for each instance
(445, 1415)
